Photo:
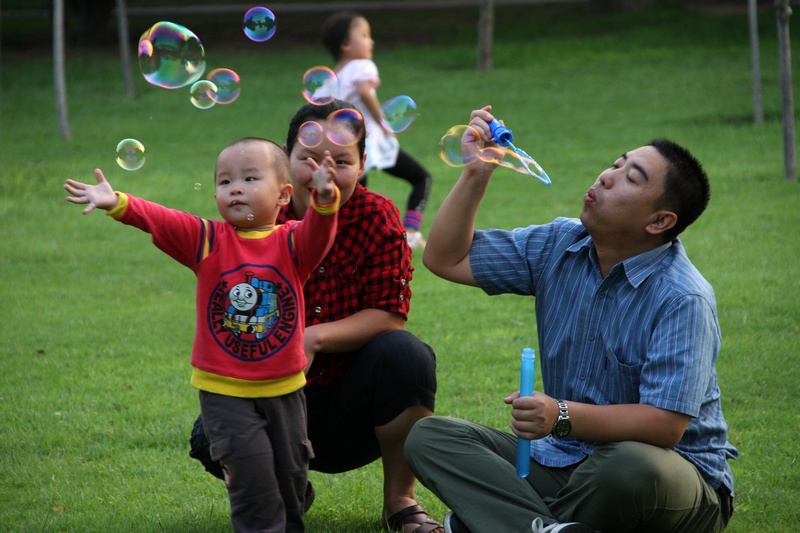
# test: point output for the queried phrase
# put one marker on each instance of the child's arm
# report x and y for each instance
(101, 195)
(322, 178)
(368, 94)
(176, 233)
(314, 235)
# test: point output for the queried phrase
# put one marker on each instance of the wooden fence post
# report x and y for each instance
(58, 69)
(124, 46)
(755, 60)
(787, 100)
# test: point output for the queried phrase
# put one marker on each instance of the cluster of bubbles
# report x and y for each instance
(453, 154)
(172, 57)
(320, 86)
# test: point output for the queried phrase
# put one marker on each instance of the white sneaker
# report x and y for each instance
(571, 527)
(415, 239)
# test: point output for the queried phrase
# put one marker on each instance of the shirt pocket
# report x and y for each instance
(622, 379)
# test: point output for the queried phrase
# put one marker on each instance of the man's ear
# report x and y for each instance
(286, 194)
(661, 222)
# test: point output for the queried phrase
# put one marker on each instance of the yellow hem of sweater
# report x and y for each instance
(243, 388)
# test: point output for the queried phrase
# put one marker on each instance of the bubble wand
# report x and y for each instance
(525, 389)
(505, 138)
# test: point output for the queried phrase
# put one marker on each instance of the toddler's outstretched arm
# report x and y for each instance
(101, 195)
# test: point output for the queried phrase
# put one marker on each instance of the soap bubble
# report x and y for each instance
(451, 152)
(398, 113)
(345, 127)
(171, 56)
(310, 134)
(320, 85)
(450, 146)
(198, 186)
(202, 94)
(130, 154)
(259, 24)
(227, 82)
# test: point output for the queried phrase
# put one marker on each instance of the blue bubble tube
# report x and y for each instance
(525, 389)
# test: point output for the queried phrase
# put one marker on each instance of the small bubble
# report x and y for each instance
(259, 24)
(250, 217)
(398, 113)
(130, 154)
(310, 134)
(202, 94)
(227, 83)
(320, 85)
(198, 186)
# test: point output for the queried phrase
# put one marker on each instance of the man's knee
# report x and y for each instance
(635, 468)
(427, 438)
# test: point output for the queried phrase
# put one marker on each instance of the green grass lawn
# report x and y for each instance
(95, 401)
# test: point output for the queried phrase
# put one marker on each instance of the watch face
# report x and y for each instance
(562, 428)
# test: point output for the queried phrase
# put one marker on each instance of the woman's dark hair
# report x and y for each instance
(686, 187)
(319, 113)
(335, 31)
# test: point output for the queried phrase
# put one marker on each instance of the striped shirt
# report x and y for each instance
(646, 333)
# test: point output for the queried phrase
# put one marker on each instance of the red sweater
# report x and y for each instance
(249, 303)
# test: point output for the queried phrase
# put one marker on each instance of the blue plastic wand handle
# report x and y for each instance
(525, 389)
(500, 134)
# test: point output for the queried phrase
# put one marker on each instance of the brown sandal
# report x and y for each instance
(407, 516)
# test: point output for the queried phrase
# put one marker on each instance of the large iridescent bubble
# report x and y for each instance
(259, 24)
(171, 56)
(345, 127)
(450, 146)
(398, 113)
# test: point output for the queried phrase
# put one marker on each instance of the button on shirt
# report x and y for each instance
(646, 333)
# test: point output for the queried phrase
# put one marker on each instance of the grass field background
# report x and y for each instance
(95, 404)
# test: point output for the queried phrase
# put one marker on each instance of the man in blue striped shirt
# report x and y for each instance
(629, 433)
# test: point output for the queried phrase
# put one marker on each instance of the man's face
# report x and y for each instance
(623, 200)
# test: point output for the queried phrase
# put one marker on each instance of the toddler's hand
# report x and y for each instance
(101, 195)
(323, 179)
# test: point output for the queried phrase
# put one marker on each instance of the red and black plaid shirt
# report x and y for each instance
(368, 267)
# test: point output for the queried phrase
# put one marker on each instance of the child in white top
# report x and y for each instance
(347, 36)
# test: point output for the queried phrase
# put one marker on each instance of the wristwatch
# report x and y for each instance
(563, 426)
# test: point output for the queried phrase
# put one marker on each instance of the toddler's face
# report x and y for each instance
(359, 42)
(247, 191)
(349, 167)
